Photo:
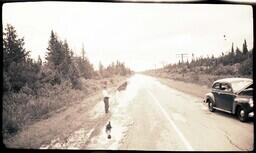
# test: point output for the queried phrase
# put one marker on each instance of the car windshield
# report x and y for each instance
(238, 85)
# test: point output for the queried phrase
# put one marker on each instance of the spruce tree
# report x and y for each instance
(232, 48)
(66, 62)
(55, 54)
(15, 59)
(59, 59)
(39, 60)
(13, 47)
(232, 56)
(245, 49)
(239, 55)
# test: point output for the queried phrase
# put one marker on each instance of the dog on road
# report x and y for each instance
(108, 129)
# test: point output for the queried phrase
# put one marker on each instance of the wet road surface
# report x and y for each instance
(151, 116)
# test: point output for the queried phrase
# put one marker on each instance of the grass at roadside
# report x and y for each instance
(190, 88)
(22, 109)
(190, 82)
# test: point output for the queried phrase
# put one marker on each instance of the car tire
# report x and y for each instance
(210, 106)
(242, 114)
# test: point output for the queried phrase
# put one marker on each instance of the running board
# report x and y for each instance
(222, 110)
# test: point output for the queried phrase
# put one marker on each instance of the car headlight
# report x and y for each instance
(251, 102)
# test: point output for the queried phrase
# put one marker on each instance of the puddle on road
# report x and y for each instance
(118, 133)
(120, 122)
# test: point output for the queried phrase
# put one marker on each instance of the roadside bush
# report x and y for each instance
(246, 67)
(76, 84)
(22, 108)
(225, 70)
(10, 124)
(14, 115)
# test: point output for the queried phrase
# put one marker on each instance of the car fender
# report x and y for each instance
(235, 106)
(242, 102)
(210, 96)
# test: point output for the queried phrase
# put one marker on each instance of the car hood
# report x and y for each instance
(242, 89)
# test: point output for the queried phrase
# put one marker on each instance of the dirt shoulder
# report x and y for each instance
(190, 88)
(61, 123)
(197, 84)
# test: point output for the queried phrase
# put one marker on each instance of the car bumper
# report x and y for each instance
(251, 114)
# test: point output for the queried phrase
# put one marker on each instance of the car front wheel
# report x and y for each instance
(210, 106)
(242, 114)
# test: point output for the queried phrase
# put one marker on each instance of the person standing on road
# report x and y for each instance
(105, 98)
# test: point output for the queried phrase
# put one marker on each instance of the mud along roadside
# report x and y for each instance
(61, 123)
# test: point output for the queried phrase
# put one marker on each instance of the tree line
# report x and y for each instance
(235, 62)
(19, 70)
(117, 68)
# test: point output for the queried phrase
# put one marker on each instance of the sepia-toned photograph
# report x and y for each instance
(127, 75)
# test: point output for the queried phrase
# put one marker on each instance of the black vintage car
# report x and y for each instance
(232, 95)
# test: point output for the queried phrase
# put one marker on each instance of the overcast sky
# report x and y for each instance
(141, 35)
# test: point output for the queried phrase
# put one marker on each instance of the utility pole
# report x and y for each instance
(182, 55)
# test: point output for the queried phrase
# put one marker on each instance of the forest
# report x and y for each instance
(33, 88)
(235, 62)
(204, 70)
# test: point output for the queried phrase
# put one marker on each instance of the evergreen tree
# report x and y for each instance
(66, 62)
(122, 69)
(245, 49)
(239, 55)
(232, 48)
(74, 76)
(55, 54)
(59, 60)
(231, 56)
(113, 69)
(89, 70)
(39, 60)
(86, 69)
(17, 64)
(13, 47)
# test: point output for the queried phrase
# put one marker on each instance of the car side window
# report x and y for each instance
(216, 86)
(225, 87)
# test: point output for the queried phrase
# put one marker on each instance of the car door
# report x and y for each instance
(216, 93)
(225, 97)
